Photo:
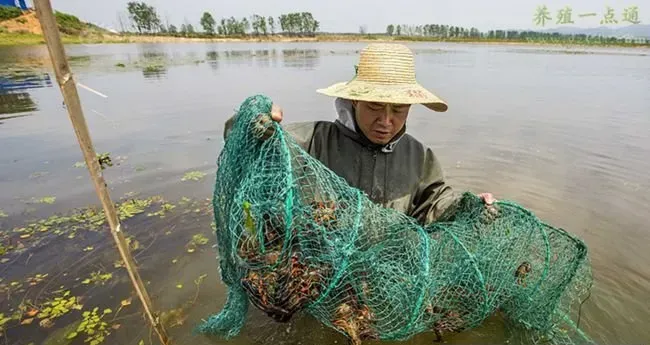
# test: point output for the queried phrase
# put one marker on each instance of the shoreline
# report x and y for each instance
(24, 39)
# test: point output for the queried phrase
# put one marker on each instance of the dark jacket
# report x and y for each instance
(403, 175)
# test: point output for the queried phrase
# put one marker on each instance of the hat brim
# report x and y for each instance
(385, 93)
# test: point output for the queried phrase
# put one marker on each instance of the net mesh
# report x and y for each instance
(293, 236)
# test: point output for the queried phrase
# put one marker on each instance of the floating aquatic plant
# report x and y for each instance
(193, 175)
(133, 207)
(46, 200)
(98, 278)
(196, 241)
(37, 279)
(164, 208)
(93, 326)
(5, 319)
(38, 174)
(104, 160)
(58, 307)
(132, 243)
(5, 249)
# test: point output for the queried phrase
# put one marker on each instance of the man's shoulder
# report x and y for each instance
(413, 144)
(304, 132)
(308, 128)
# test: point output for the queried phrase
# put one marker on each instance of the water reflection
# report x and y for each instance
(301, 58)
(154, 71)
(79, 61)
(264, 57)
(14, 97)
(212, 58)
(238, 57)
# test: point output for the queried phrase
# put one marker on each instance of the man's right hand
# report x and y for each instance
(263, 129)
(276, 113)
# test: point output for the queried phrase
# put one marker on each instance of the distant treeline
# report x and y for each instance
(438, 31)
(144, 19)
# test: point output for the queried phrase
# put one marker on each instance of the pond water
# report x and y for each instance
(563, 131)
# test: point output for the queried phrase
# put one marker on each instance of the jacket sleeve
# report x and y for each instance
(434, 197)
(301, 132)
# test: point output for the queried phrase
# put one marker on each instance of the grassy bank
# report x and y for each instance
(17, 38)
(20, 39)
(23, 28)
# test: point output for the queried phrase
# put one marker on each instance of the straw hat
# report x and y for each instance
(386, 74)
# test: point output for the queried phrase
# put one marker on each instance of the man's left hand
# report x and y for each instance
(489, 201)
(488, 198)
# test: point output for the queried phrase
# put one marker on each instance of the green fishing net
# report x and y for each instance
(295, 237)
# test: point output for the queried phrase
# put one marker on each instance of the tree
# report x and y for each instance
(262, 25)
(190, 29)
(298, 22)
(258, 24)
(390, 29)
(271, 25)
(306, 23)
(172, 29)
(244, 26)
(143, 16)
(122, 20)
(363, 30)
(222, 27)
(208, 22)
(255, 25)
(410, 30)
(398, 31)
(314, 26)
(232, 27)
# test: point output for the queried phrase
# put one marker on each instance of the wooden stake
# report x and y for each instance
(69, 90)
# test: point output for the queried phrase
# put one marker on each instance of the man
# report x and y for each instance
(368, 146)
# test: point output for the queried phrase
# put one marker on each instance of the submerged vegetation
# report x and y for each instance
(70, 294)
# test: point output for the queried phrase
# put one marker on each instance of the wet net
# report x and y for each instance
(295, 237)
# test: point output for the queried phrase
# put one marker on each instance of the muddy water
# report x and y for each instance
(564, 132)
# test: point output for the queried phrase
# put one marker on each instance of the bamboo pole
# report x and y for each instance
(69, 90)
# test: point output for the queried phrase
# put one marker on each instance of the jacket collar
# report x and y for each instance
(346, 118)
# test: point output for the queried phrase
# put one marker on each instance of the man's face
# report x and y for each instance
(380, 122)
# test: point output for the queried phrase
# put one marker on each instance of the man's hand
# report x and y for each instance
(489, 201)
(276, 113)
(488, 198)
(262, 129)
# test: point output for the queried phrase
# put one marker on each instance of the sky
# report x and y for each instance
(375, 15)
